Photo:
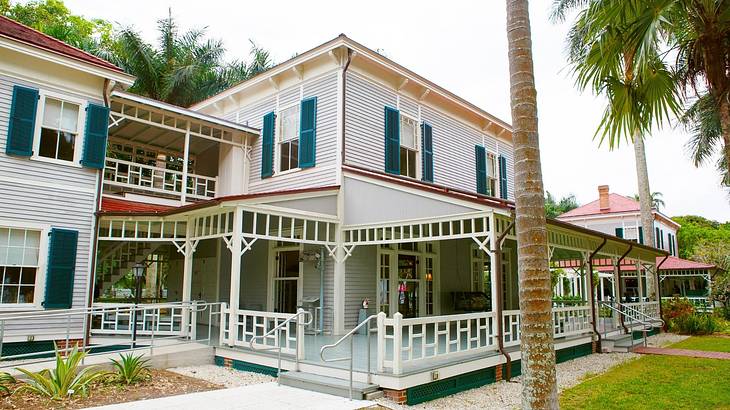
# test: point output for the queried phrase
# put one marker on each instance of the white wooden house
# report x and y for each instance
(335, 177)
(619, 215)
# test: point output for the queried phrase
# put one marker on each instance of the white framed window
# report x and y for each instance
(59, 128)
(410, 137)
(492, 174)
(631, 233)
(287, 146)
(21, 265)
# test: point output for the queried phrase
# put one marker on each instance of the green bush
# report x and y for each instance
(694, 324)
(5, 379)
(131, 369)
(65, 380)
(676, 307)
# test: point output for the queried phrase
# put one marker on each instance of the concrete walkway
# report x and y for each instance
(257, 396)
(682, 352)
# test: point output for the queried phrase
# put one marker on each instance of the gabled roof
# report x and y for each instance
(18, 32)
(617, 204)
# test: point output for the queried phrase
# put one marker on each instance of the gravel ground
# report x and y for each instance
(506, 395)
(223, 376)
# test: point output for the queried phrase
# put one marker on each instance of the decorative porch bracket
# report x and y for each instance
(183, 248)
(484, 244)
(246, 243)
(332, 250)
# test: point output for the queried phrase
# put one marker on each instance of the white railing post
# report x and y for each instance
(194, 321)
(381, 341)
(222, 328)
(397, 343)
(300, 334)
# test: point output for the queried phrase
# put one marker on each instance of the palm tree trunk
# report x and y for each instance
(539, 387)
(645, 200)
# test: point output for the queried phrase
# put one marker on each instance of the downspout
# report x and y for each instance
(108, 86)
(620, 281)
(344, 103)
(591, 294)
(659, 288)
(498, 311)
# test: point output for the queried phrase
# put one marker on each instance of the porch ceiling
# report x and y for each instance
(128, 131)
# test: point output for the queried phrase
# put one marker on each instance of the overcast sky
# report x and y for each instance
(462, 46)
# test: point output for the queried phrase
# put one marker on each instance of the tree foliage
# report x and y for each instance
(554, 207)
(656, 199)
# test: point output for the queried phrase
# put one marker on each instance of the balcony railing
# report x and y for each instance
(128, 174)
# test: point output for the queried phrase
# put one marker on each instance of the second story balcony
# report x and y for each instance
(172, 155)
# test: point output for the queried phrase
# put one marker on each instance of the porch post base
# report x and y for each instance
(227, 362)
(498, 373)
(398, 396)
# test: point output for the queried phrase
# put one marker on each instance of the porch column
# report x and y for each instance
(339, 287)
(186, 156)
(187, 284)
(235, 275)
(600, 281)
(639, 285)
(616, 290)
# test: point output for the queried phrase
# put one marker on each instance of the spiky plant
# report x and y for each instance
(131, 369)
(5, 379)
(65, 380)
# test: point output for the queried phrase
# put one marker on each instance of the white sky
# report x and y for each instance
(462, 46)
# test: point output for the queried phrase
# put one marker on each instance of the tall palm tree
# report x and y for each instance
(641, 90)
(699, 32)
(702, 121)
(183, 68)
(539, 386)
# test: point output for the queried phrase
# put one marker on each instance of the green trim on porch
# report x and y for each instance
(446, 387)
(17, 348)
(247, 366)
(573, 352)
(637, 334)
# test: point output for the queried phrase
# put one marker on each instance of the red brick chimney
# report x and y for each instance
(603, 197)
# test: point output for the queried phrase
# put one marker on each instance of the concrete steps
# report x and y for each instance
(623, 343)
(330, 385)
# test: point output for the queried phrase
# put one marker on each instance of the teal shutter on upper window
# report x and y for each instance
(97, 131)
(308, 132)
(61, 268)
(620, 232)
(503, 177)
(267, 145)
(427, 151)
(21, 124)
(392, 141)
(641, 235)
(480, 157)
(661, 239)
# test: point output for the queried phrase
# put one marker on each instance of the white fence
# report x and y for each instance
(650, 309)
(250, 324)
(160, 180)
(569, 321)
(511, 327)
(160, 319)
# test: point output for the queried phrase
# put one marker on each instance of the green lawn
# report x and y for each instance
(708, 343)
(655, 382)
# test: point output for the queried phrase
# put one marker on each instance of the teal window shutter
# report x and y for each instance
(427, 151)
(480, 157)
(61, 268)
(267, 145)
(661, 239)
(641, 235)
(503, 177)
(97, 131)
(620, 232)
(307, 132)
(657, 242)
(392, 141)
(21, 124)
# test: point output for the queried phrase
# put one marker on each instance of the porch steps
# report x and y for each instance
(622, 343)
(330, 385)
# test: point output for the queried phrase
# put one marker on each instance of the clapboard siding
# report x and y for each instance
(254, 277)
(453, 141)
(56, 195)
(324, 173)
(359, 282)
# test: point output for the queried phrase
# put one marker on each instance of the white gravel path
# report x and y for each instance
(506, 395)
(223, 376)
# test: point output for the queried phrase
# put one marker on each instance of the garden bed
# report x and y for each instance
(162, 383)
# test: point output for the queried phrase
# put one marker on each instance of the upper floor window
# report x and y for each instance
(409, 136)
(19, 250)
(491, 174)
(59, 129)
(288, 143)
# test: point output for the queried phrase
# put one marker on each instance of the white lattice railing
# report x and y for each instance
(511, 327)
(405, 341)
(568, 321)
(701, 303)
(159, 319)
(252, 323)
(650, 309)
(160, 180)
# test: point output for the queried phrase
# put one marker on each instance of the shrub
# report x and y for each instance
(677, 307)
(694, 324)
(5, 379)
(63, 381)
(131, 369)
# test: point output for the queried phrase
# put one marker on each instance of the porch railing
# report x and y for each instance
(118, 318)
(650, 309)
(701, 303)
(569, 321)
(257, 326)
(129, 174)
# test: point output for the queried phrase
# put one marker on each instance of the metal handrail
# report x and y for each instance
(646, 325)
(279, 327)
(350, 336)
(650, 318)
